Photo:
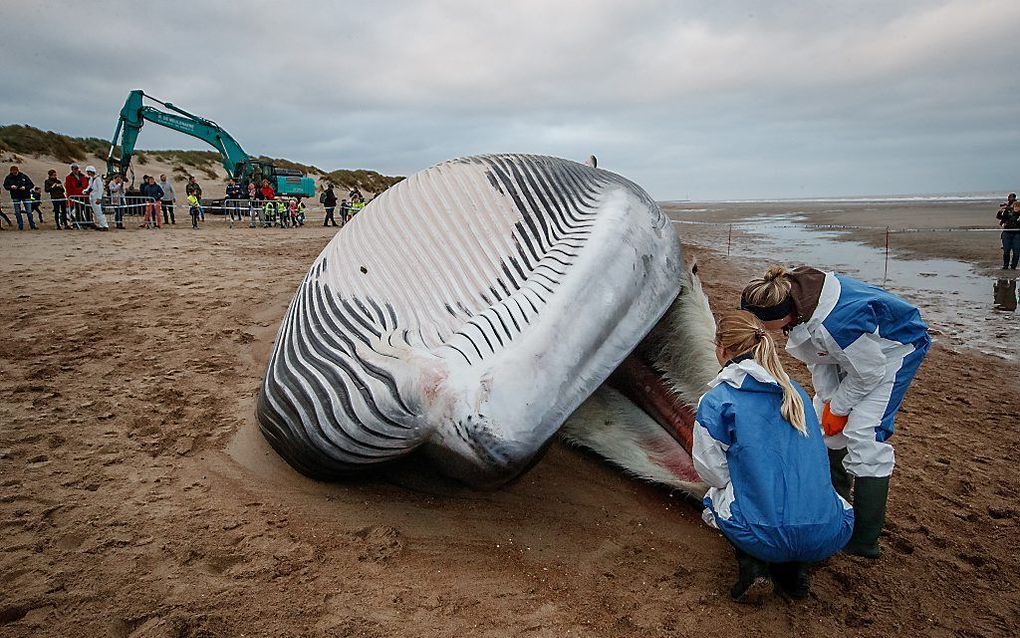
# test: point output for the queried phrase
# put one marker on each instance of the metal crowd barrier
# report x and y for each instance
(254, 210)
(80, 213)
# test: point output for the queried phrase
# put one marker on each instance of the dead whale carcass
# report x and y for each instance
(469, 310)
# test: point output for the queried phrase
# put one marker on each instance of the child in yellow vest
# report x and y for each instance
(194, 210)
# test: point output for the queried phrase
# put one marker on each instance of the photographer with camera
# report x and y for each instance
(1009, 220)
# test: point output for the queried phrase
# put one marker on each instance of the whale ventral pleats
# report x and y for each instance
(465, 313)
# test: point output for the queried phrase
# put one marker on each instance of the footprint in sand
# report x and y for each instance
(379, 543)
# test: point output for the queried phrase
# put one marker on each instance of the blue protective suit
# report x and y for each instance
(770, 491)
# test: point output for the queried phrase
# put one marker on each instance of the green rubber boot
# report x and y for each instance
(791, 579)
(870, 495)
(841, 479)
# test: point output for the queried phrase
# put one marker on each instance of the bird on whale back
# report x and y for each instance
(477, 308)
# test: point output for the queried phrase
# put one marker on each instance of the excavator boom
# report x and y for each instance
(235, 160)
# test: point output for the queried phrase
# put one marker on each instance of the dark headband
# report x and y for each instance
(769, 313)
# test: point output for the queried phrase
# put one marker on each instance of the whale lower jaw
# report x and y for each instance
(616, 429)
(642, 419)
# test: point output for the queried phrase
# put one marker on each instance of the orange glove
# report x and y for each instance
(832, 424)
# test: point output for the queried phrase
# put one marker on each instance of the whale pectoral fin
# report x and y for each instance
(614, 428)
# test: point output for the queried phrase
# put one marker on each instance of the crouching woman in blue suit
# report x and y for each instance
(764, 459)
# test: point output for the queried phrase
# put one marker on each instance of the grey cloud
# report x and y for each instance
(720, 100)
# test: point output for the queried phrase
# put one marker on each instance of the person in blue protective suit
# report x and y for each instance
(764, 459)
(863, 346)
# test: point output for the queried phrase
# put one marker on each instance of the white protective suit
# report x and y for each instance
(863, 346)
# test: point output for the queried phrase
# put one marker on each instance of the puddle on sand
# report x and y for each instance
(958, 303)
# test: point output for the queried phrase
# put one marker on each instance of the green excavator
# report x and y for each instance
(239, 165)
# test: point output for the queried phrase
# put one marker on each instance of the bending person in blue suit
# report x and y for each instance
(863, 346)
(764, 459)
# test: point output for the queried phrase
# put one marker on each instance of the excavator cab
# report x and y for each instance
(291, 183)
(286, 182)
(252, 172)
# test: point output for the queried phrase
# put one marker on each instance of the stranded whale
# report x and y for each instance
(471, 309)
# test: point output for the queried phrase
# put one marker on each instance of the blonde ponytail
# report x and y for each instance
(793, 406)
(770, 290)
(739, 333)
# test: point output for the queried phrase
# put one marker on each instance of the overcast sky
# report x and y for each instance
(694, 99)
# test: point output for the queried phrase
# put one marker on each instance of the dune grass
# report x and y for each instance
(29, 140)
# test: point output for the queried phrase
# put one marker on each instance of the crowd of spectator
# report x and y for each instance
(82, 199)
(77, 200)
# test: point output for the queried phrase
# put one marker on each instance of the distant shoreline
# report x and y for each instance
(856, 199)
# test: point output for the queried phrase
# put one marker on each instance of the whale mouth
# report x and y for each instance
(651, 391)
(642, 417)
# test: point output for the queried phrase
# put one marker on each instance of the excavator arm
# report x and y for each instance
(134, 114)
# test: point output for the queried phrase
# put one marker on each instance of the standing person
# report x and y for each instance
(153, 194)
(764, 459)
(345, 212)
(20, 188)
(195, 210)
(58, 197)
(267, 191)
(36, 196)
(863, 346)
(233, 204)
(268, 214)
(253, 206)
(118, 200)
(168, 199)
(296, 212)
(95, 195)
(328, 200)
(1009, 221)
(75, 184)
(283, 213)
(4, 216)
(192, 188)
(291, 213)
(268, 195)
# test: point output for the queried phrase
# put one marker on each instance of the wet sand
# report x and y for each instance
(982, 249)
(139, 500)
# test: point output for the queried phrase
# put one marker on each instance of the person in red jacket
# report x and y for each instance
(75, 184)
(267, 191)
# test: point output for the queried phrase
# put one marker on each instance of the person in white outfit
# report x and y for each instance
(95, 195)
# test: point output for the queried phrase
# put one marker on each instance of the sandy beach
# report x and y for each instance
(140, 500)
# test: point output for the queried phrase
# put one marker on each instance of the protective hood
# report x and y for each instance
(735, 374)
